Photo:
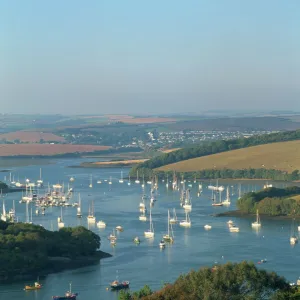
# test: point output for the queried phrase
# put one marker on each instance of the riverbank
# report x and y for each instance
(55, 265)
(239, 214)
(110, 164)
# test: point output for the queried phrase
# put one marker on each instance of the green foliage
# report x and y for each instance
(271, 201)
(213, 148)
(232, 281)
(143, 292)
(3, 186)
(26, 248)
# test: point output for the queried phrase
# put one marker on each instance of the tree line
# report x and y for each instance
(271, 201)
(230, 281)
(213, 148)
(27, 248)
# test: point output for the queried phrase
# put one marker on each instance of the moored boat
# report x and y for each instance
(116, 285)
(36, 286)
(68, 295)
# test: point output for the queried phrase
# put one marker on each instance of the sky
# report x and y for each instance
(149, 57)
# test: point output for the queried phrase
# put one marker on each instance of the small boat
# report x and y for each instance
(68, 295)
(136, 240)
(72, 179)
(79, 214)
(169, 237)
(174, 220)
(112, 236)
(60, 222)
(91, 182)
(137, 177)
(162, 244)
(207, 227)
(187, 202)
(99, 181)
(91, 218)
(119, 228)
(227, 200)
(293, 237)
(230, 222)
(186, 222)
(116, 285)
(36, 286)
(110, 180)
(129, 182)
(262, 261)
(101, 224)
(143, 217)
(150, 232)
(257, 223)
(113, 242)
(121, 180)
(234, 228)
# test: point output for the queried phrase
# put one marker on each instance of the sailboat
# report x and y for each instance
(142, 205)
(60, 222)
(129, 182)
(293, 237)
(240, 191)
(143, 182)
(112, 236)
(4, 216)
(174, 220)
(101, 224)
(121, 179)
(227, 200)
(174, 182)
(167, 184)
(167, 237)
(40, 181)
(91, 182)
(110, 180)
(137, 177)
(187, 221)
(91, 218)
(79, 214)
(187, 202)
(143, 217)
(150, 233)
(220, 202)
(257, 223)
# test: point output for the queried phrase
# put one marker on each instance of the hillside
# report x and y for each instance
(31, 137)
(284, 156)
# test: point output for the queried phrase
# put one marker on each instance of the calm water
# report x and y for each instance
(117, 204)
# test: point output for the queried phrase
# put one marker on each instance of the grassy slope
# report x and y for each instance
(283, 156)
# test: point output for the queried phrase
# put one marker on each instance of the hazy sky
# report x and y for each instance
(68, 56)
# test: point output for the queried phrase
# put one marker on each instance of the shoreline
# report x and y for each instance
(56, 265)
(239, 214)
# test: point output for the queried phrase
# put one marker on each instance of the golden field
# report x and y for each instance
(284, 156)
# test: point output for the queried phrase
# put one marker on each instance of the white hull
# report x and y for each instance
(143, 218)
(101, 224)
(185, 224)
(234, 229)
(293, 240)
(187, 206)
(91, 219)
(207, 227)
(149, 234)
(256, 225)
(173, 221)
(226, 202)
(61, 224)
(137, 181)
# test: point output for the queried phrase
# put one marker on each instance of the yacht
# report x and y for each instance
(162, 244)
(293, 237)
(121, 179)
(101, 224)
(137, 177)
(169, 237)
(174, 220)
(234, 228)
(227, 200)
(79, 214)
(257, 223)
(150, 232)
(60, 222)
(91, 182)
(186, 222)
(187, 202)
(143, 217)
(91, 218)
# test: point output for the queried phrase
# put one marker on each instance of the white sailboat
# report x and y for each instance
(257, 223)
(110, 180)
(174, 219)
(188, 201)
(60, 221)
(91, 218)
(169, 237)
(293, 237)
(121, 179)
(187, 221)
(207, 227)
(4, 216)
(137, 177)
(143, 217)
(143, 182)
(167, 184)
(150, 233)
(234, 228)
(220, 201)
(40, 181)
(79, 214)
(142, 205)
(91, 182)
(227, 200)
(129, 182)
(101, 224)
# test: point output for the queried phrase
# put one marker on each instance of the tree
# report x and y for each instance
(232, 281)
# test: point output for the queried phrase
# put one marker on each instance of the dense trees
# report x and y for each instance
(230, 281)
(250, 173)
(3, 186)
(212, 148)
(271, 201)
(26, 248)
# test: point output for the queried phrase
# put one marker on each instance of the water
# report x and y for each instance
(117, 204)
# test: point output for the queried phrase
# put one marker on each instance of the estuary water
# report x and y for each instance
(117, 204)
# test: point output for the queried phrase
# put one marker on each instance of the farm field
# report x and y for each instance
(284, 156)
(46, 149)
(31, 136)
